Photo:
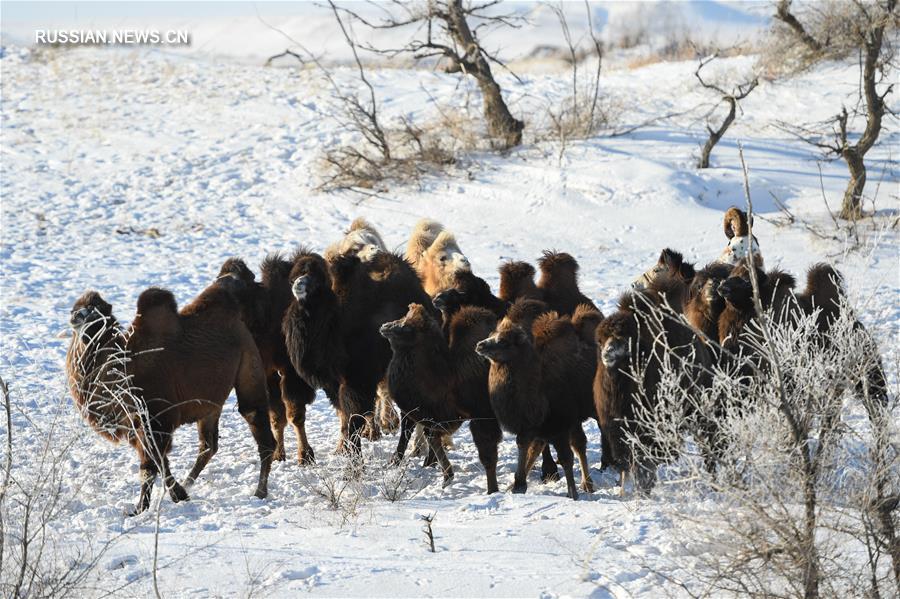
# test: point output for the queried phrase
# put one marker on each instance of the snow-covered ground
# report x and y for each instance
(123, 169)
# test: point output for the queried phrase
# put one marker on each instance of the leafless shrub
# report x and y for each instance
(400, 481)
(340, 485)
(418, 150)
(802, 503)
(585, 110)
(37, 496)
(686, 47)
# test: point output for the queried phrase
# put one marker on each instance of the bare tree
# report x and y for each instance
(448, 36)
(835, 30)
(731, 98)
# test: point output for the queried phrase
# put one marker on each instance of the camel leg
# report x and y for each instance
(567, 461)
(434, 442)
(253, 405)
(355, 420)
(153, 455)
(578, 443)
(486, 435)
(176, 491)
(406, 429)
(420, 446)
(548, 466)
(208, 431)
(529, 449)
(276, 414)
(387, 415)
(644, 475)
(147, 453)
(344, 423)
(606, 456)
(296, 395)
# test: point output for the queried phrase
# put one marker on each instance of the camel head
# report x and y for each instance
(737, 289)
(705, 286)
(412, 329)
(445, 253)
(363, 241)
(669, 263)
(507, 343)
(309, 277)
(90, 316)
(616, 335)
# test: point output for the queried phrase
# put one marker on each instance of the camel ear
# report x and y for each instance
(671, 258)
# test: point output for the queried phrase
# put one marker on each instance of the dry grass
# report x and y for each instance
(576, 117)
(417, 150)
(685, 48)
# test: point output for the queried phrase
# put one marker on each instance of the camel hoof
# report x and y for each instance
(587, 486)
(573, 495)
(447, 481)
(278, 455)
(177, 493)
(261, 493)
(307, 457)
(136, 511)
(519, 489)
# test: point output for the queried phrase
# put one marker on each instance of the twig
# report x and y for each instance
(429, 532)
(825, 198)
(287, 52)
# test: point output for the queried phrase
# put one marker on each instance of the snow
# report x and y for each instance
(123, 169)
(255, 32)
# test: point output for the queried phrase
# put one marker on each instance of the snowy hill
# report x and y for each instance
(124, 169)
(252, 33)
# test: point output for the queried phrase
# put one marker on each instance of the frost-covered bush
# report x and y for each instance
(802, 500)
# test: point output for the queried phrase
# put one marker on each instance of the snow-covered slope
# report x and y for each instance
(125, 169)
(253, 32)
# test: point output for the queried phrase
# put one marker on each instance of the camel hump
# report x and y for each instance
(157, 313)
(423, 235)
(470, 325)
(825, 287)
(275, 268)
(157, 298)
(220, 297)
(554, 262)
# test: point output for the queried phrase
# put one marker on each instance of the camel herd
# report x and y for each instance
(424, 336)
